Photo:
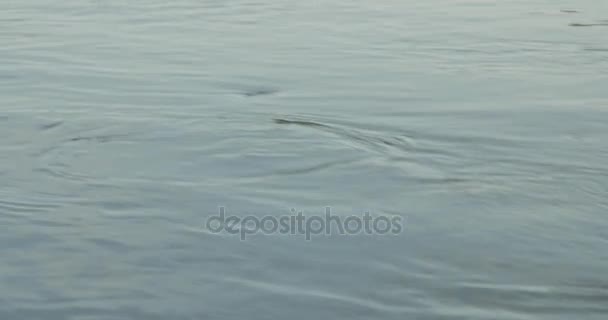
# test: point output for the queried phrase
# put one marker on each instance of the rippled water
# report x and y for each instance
(125, 124)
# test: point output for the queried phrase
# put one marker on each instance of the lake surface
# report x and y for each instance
(125, 125)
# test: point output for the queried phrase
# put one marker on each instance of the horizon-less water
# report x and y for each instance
(125, 125)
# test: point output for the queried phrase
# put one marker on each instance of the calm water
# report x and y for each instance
(124, 125)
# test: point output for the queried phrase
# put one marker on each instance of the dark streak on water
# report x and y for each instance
(100, 139)
(260, 92)
(50, 125)
(304, 123)
(587, 24)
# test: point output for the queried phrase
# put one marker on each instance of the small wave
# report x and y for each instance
(318, 294)
(80, 312)
(110, 244)
(596, 49)
(306, 169)
(55, 159)
(16, 207)
(532, 299)
(372, 141)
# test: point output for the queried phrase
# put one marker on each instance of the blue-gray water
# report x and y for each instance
(125, 124)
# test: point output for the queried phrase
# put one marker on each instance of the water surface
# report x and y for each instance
(124, 125)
